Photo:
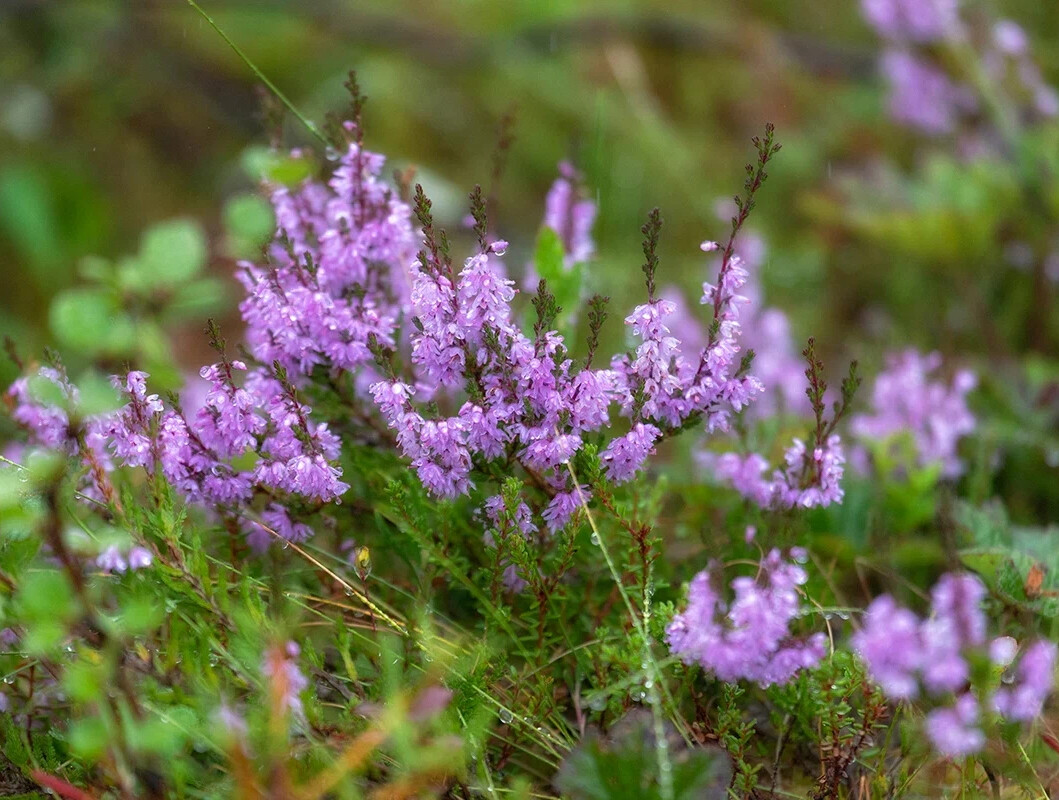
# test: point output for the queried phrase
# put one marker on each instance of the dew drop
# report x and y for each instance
(332, 154)
(594, 538)
(505, 716)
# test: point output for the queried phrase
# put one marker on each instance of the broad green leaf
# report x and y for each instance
(87, 320)
(172, 252)
(563, 282)
(249, 221)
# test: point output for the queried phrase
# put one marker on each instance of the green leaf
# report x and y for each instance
(87, 320)
(157, 736)
(141, 615)
(172, 252)
(261, 163)
(1005, 572)
(46, 595)
(43, 636)
(88, 738)
(249, 221)
(29, 220)
(84, 681)
(197, 299)
(564, 283)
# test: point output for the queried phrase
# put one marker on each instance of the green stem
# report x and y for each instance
(308, 123)
(665, 768)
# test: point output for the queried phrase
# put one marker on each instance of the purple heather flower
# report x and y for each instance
(111, 560)
(652, 379)
(748, 639)
(954, 731)
(905, 399)
(529, 401)
(903, 653)
(502, 524)
(889, 643)
(129, 429)
(561, 509)
(913, 20)
(1010, 38)
(281, 668)
(810, 478)
(140, 558)
(778, 382)
(571, 216)
(337, 273)
(48, 426)
(228, 422)
(922, 96)
(1002, 650)
(956, 600)
(1023, 700)
(484, 434)
(626, 454)
(483, 298)
(277, 519)
(899, 649)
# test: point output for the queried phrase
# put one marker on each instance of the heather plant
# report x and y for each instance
(435, 522)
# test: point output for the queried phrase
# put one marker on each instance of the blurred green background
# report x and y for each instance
(115, 116)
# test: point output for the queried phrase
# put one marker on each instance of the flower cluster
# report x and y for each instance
(336, 275)
(528, 403)
(908, 656)
(334, 281)
(332, 295)
(571, 215)
(767, 331)
(905, 399)
(808, 478)
(913, 20)
(113, 560)
(502, 523)
(286, 680)
(195, 453)
(924, 94)
(748, 638)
